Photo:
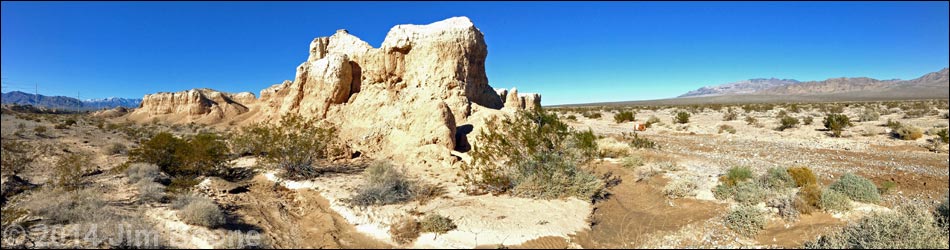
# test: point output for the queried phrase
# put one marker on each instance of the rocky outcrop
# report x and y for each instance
(196, 105)
(402, 99)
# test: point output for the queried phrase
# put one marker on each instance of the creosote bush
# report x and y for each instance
(16, 155)
(69, 170)
(787, 122)
(746, 220)
(532, 155)
(624, 116)
(682, 117)
(836, 123)
(857, 188)
(296, 145)
(202, 154)
(942, 134)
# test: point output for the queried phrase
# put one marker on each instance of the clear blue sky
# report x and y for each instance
(570, 52)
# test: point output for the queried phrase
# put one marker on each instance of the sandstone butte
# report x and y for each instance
(403, 101)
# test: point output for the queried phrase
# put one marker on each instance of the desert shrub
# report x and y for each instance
(652, 120)
(183, 200)
(723, 192)
(592, 115)
(585, 143)
(641, 142)
(837, 123)
(943, 210)
(907, 132)
(384, 184)
(202, 154)
(533, 155)
(808, 120)
(909, 227)
(832, 200)
(612, 148)
(624, 116)
(571, 117)
(893, 125)
(942, 134)
(727, 128)
(150, 191)
(435, 223)
(69, 169)
(730, 116)
(202, 212)
(40, 130)
(116, 149)
(425, 192)
(869, 115)
(85, 209)
(142, 171)
(683, 187)
(736, 174)
(405, 230)
(746, 220)
(252, 140)
(803, 176)
(786, 208)
(631, 162)
(787, 122)
(749, 193)
(857, 188)
(682, 117)
(777, 178)
(297, 144)
(749, 120)
(808, 199)
(16, 155)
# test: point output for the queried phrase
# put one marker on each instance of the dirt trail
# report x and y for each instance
(297, 219)
(794, 235)
(638, 210)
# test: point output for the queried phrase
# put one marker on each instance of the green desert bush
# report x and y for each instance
(434, 223)
(384, 184)
(908, 133)
(40, 131)
(910, 227)
(202, 212)
(787, 122)
(405, 230)
(624, 116)
(808, 120)
(201, 154)
(723, 192)
(942, 134)
(893, 125)
(886, 187)
(836, 123)
(638, 142)
(857, 188)
(532, 155)
(736, 174)
(832, 200)
(803, 176)
(750, 193)
(777, 179)
(592, 114)
(632, 161)
(727, 128)
(682, 117)
(746, 220)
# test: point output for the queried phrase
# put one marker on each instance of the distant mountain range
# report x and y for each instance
(842, 85)
(64, 102)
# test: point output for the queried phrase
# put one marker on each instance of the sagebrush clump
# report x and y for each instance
(384, 184)
(909, 227)
(857, 188)
(202, 212)
(746, 220)
(777, 178)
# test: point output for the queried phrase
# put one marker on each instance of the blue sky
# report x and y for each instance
(570, 52)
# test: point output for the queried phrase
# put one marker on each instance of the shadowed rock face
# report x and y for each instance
(406, 96)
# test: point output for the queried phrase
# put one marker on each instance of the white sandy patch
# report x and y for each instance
(179, 234)
(860, 210)
(481, 220)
